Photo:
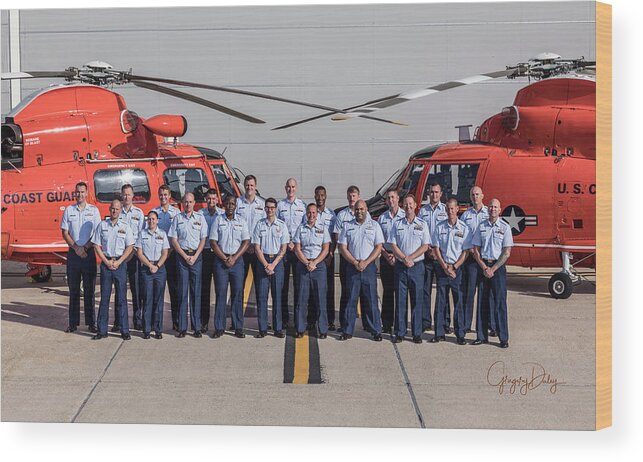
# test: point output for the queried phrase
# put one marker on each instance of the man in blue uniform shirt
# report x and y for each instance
(291, 211)
(387, 259)
(166, 214)
(409, 240)
(135, 219)
(187, 236)
(77, 225)
(492, 244)
(270, 239)
(433, 213)
(360, 243)
(451, 239)
(472, 275)
(312, 242)
(207, 269)
(113, 242)
(152, 247)
(229, 239)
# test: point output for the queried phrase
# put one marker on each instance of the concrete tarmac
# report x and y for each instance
(51, 376)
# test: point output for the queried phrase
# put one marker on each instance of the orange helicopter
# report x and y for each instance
(81, 131)
(538, 157)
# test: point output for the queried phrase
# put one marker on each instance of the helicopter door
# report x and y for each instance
(456, 181)
(225, 181)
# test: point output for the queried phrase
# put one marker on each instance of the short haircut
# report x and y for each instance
(80, 184)
(452, 200)
(250, 177)
(352, 189)
(435, 184)
(212, 191)
(320, 188)
(165, 187)
(271, 200)
(127, 186)
(312, 204)
(154, 212)
(396, 193)
(410, 196)
(228, 198)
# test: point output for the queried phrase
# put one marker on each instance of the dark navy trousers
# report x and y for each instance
(222, 277)
(172, 286)
(85, 269)
(189, 279)
(470, 281)
(153, 293)
(387, 275)
(409, 282)
(290, 262)
(133, 278)
(444, 285)
(366, 283)
(269, 283)
(430, 272)
(207, 273)
(118, 278)
(312, 286)
(330, 296)
(494, 304)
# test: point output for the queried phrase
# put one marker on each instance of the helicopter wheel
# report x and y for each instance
(560, 285)
(43, 275)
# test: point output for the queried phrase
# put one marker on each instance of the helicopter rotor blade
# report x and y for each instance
(138, 78)
(36, 75)
(198, 100)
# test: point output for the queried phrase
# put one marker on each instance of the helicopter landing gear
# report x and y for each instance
(561, 284)
(39, 273)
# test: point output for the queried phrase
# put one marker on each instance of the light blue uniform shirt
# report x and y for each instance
(252, 212)
(361, 239)
(386, 221)
(209, 218)
(326, 218)
(113, 238)
(189, 231)
(80, 224)
(165, 218)
(292, 213)
(344, 216)
(433, 216)
(229, 234)
(452, 240)
(472, 219)
(311, 239)
(409, 237)
(135, 218)
(270, 237)
(491, 238)
(152, 243)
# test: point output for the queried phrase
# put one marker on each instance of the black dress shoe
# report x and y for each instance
(493, 333)
(279, 334)
(461, 341)
(98, 336)
(504, 344)
(479, 341)
(426, 329)
(70, 329)
(344, 337)
(158, 336)
(299, 335)
(181, 334)
(116, 328)
(204, 329)
(146, 335)
(448, 330)
(239, 334)
(217, 334)
(197, 334)
(331, 327)
(437, 338)
(377, 337)
(92, 329)
(323, 336)
(261, 334)
(417, 339)
(397, 339)
(126, 336)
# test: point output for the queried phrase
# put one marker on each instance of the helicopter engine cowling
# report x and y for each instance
(166, 125)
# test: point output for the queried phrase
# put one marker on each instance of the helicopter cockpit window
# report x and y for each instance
(456, 181)
(410, 179)
(108, 184)
(184, 180)
(223, 180)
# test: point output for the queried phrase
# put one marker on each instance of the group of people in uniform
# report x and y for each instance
(186, 249)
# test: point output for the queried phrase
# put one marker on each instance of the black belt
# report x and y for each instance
(489, 262)
(154, 262)
(229, 255)
(189, 251)
(270, 255)
(114, 258)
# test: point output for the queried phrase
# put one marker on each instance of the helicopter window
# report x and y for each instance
(224, 181)
(184, 180)
(456, 180)
(410, 179)
(108, 184)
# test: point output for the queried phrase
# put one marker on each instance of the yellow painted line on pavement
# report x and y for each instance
(302, 360)
(247, 287)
